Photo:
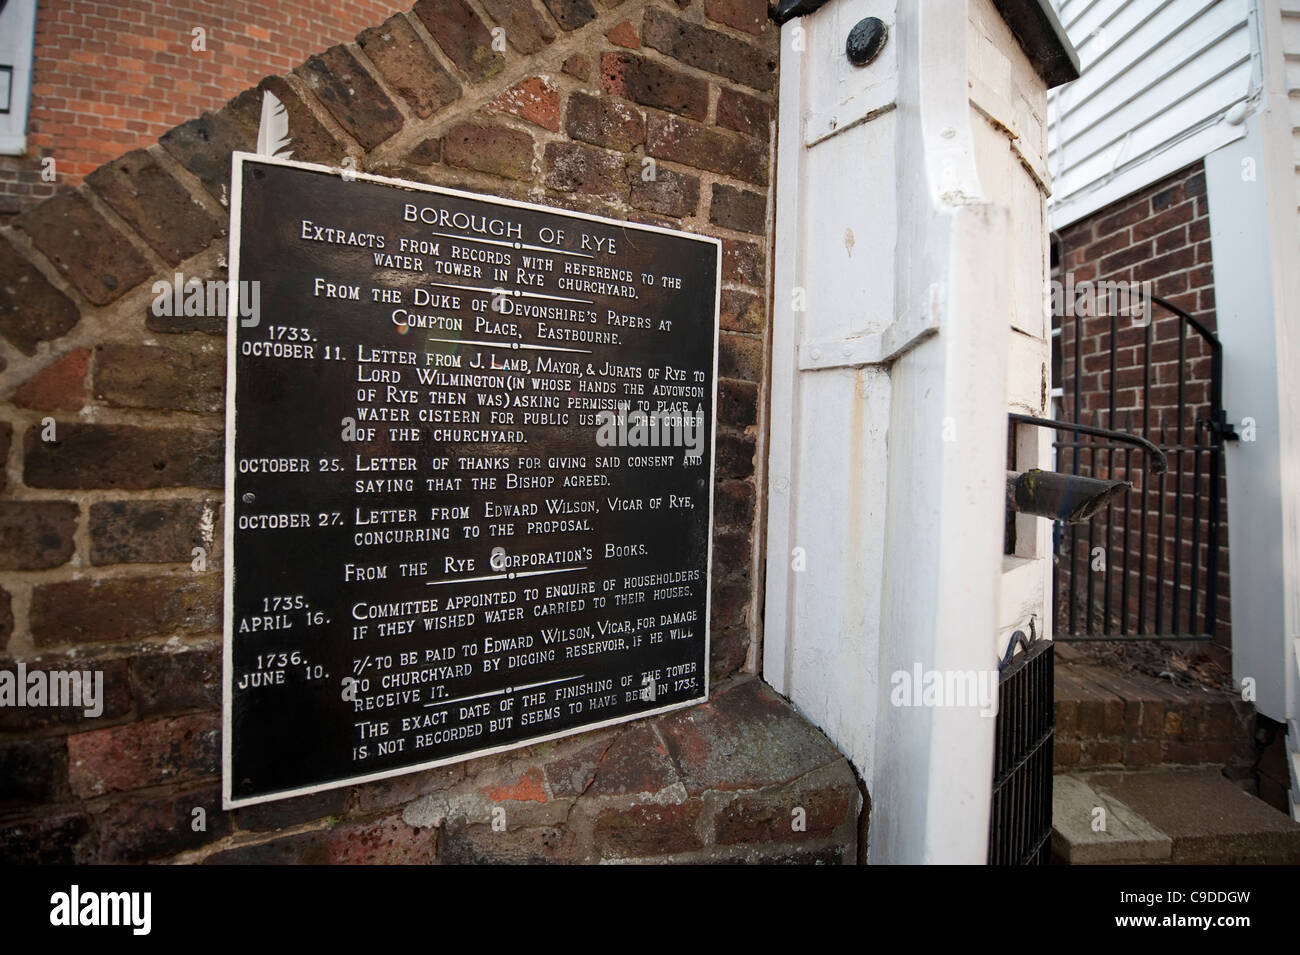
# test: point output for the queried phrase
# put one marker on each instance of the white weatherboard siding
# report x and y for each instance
(1164, 82)
(911, 221)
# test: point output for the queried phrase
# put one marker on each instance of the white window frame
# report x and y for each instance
(17, 43)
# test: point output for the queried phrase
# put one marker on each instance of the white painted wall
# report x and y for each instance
(1160, 80)
(1255, 232)
(911, 219)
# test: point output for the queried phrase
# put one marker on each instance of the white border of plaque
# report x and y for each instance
(238, 159)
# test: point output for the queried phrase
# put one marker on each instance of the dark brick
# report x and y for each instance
(462, 36)
(745, 737)
(33, 771)
(60, 386)
(742, 312)
(498, 150)
(526, 30)
(733, 504)
(427, 153)
(577, 65)
(92, 255)
(35, 535)
(481, 845)
(642, 831)
(114, 609)
(210, 321)
(744, 113)
(740, 358)
(151, 376)
(644, 81)
(123, 456)
(156, 206)
(154, 827)
(144, 754)
(309, 140)
(115, 704)
(386, 793)
(742, 262)
(747, 15)
(735, 455)
(669, 137)
(738, 404)
(769, 817)
(732, 555)
(374, 842)
(31, 309)
(669, 193)
(50, 840)
(203, 146)
(154, 532)
(6, 617)
(710, 50)
(1128, 216)
(604, 122)
(1168, 219)
(354, 99)
(577, 168)
(728, 606)
(408, 66)
(167, 682)
(738, 209)
(571, 14)
(292, 812)
(535, 100)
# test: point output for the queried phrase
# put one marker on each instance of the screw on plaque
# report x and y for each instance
(865, 41)
(249, 497)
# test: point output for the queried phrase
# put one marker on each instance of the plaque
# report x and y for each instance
(469, 475)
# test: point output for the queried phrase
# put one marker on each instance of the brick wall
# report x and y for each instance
(1160, 235)
(108, 74)
(97, 526)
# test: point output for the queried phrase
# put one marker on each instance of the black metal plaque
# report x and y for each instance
(469, 475)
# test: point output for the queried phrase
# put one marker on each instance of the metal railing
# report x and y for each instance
(1020, 819)
(1147, 567)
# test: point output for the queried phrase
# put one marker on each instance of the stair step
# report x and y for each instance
(1180, 816)
(1124, 720)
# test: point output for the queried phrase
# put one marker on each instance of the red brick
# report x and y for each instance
(90, 253)
(536, 100)
(60, 386)
(625, 35)
(498, 150)
(747, 15)
(744, 113)
(767, 818)
(144, 754)
(114, 609)
(408, 66)
(742, 262)
(1156, 224)
(649, 83)
(705, 147)
(709, 50)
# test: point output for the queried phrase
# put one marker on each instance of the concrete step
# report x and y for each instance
(1180, 816)
(1109, 719)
